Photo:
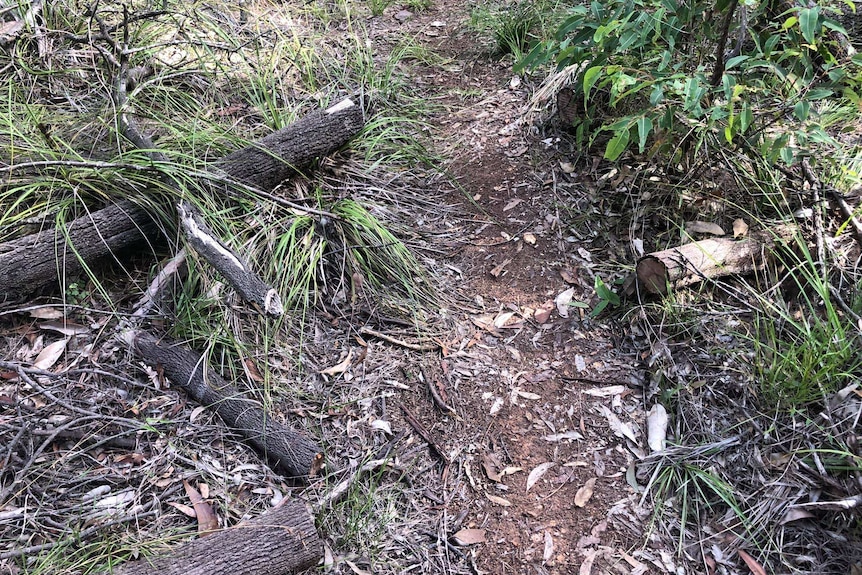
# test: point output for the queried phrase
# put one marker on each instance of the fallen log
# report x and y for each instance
(708, 259)
(281, 541)
(33, 261)
(292, 453)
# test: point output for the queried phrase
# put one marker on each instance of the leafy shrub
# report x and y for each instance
(672, 72)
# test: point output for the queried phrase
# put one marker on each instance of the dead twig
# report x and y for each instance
(435, 392)
(423, 433)
(388, 338)
(814, 182)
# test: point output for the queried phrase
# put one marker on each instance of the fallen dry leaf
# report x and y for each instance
(657, 421)
(548, 554)
(570, 276)
(207, 520)
(489, 465)
(503, 318)
(184, 509)
(339, 367)
(497, 270)
(584, 493)
(740, 228)
(469, 536)
(753, 565)
(608, 391)
(589, 558)
(543, 314)
(563, 300)
(561, 436)
(46, 312)
(498, 500)
(65, 327)
(50, 354)
(537, 473)
(617, 426)
(698, 227)
(512, 204)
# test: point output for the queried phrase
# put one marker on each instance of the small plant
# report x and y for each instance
(377, 7)
(606, 297)
(515, 28)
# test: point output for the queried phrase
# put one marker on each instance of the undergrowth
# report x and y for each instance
(208, 79)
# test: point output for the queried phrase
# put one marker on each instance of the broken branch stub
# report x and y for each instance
(228, 263)
(292, 453)
(708, 259)
(279, 542)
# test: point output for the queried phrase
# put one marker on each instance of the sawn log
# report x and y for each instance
(708, 259)
(279, 542)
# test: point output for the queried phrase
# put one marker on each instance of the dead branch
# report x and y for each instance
(293, 453)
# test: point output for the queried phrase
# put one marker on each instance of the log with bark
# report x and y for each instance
(292, 453)
(281, 541)
(30, 262)
(708, 259)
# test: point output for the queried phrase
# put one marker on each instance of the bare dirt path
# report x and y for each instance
(540, 473)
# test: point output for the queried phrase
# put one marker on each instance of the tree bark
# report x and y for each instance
(33, 261)
(281, 541)
(273, 159)
(707, 259)
(292, 453)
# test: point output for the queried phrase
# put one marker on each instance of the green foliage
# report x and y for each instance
(646, 73)
(515, 27)
(606, 297)
(807, 351)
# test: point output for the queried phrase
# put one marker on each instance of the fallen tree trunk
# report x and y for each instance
(32, 261)
(292, 453)
(38, 259)
(281, 541)
(707, 259)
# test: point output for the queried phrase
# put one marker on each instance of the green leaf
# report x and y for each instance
(818, 94)
(800, 110)
(809, 23)
(789, 23)
(745, 117)
(656, 97)
(734, 61)
(857, 59)
(617, 145)
(787, 155)
(644, 124)
(590, 77)
(693, 92)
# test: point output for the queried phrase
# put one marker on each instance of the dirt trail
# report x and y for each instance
(540, 471)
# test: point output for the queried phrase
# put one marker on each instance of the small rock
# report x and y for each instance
(403, 15)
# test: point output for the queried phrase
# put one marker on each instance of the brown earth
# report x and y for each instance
(517, 379)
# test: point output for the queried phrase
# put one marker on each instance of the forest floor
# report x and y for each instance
(518, 445)
(546, 398)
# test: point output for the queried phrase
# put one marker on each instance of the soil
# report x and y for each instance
(518, 384)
